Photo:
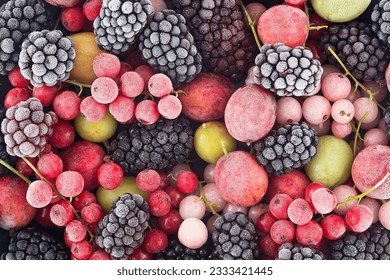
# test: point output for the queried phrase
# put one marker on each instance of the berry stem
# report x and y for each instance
(206, 201)
(357, 132)
(80, 85)
(251, 24)
(16, 172)
(307, 10)
(317, 27)
(367, 192)
(357, 83)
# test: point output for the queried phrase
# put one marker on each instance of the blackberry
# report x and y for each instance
(119, 22)
(26, 128)
(372, 244)
(168, 46)
(224, 41)
(46, 57)
(159, 146)
(287, 71)
(358, 48)
(122, 230)
(290, 251)
(17, 19)
(33, 244)
(177, 251)
(235, 238)
(286, 148)
(3, 151)
(380, 18)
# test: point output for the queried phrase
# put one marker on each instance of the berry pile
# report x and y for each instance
(194, 130)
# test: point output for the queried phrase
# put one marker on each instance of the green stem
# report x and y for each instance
(251, 24)
(80, 85)
(206, 201)
(307, 10)
(357, 133)
(357, 83)
(16, 172)
(364, 194)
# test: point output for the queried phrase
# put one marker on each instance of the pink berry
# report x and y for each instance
(335, 86)
(92, 110)
(17, 79)
(146, 112)
(104, 90)
(341, 130)
(373, 124)
(39, 194)
(300, 211)
(145, 71)
(45, 94)
(374, 206)
(83, 199)
(155, 241)
(323, 200)
(192, 206)
(328, 69)
(375, 136)
(187, 182)
(311, 188)
(67, 105)
(50, 165)
(384, 215)
(359, 218)
(73, 19)
(148, 180)
(170, 222)
(160, 85)
(364, 105)
(122, 109)
(208, 173)
(265, 222)
(288, 110)
(343, 111)
(322, 128)
(61, 213)
(234, 208)
(81, 250)
(378, 88)
(63, 135)
(193, 233)
(110, 175)
(282, 231)
(342, 193)
(131, 84)
(169, 107)
(106, 65)
(91, 213)
(333, 226)
(70, 183)
(354, 95)
(75, 230)
(257, 210)
(316, 109)
(91, 9)
(309, 234)
(210, 224)
(296, 3)
(211, 193)
(279, 204)
(159, 203)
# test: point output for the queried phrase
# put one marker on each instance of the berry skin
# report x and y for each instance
(16, 78)
(333, 226)
(92, 213)
(148, 180)
(70, 183)
(106, 65)
(131, 84)
(63, 135)
(176, 196)
(160, 85)
(92, 110)
(75, 231)
(104, 90)
(39, 194)
(81, 250)
(141, 254)
(282, 231)
(170, 222)
(300, 211)
(169, 107)
(265, 222)
(45, 94)
(66, 105)
(187, 182)
(99, 255)
(61, 213)
(122, 109)
(16, 95)
(279, 204)
(159, 203)
(311, 188)
(83, 199)
(268, 246)
(359, 218)
(155, 241)
(91, 9)
(192, 206)
(24, 168)
(110, 175)
(73, 19)
(323, 200)
(146, 112)
(309, 234)
(50, 165)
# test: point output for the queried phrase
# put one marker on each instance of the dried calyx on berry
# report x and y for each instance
(223, 39)
(358, 48)
(287, 71)
(17, 19)
(169, 47)
(26, 128)
(286, 148)
(122, 230)
(119, 22)
(47, 57)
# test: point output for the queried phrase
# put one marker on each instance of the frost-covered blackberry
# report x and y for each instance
(381, 21)
(122, 230)
(287, 71)
(286, 148)
(26, 128)
(168, 46)
(17, 19)
(11, 160)
(47, 57)
(119, 22)
(290, 251)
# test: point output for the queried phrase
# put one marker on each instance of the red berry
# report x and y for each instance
(170, 222)
(131, 84)
(66, 105)
(299, 211)
(92, 110)
(63, 134)
(160, 85)
(45, 94)
(104, 90)
(91, 9)
(155, 241)
(279, 204)
(140, 254)
(145, 71)
(70, 183)
(73, 19)
(76, 231)
(187, 182)
(42, 216)
(148, 180)
(268, 246)
(159, 203)
(146, 112)
(122, 109)
(92, 213)
(333, 226)
(282, 231)
(110, 175)
(265, 222)
(61, 213)
(83, 199)
(81, 250)
(311, 188)
(163, 180)
(359, 218)
(323, 200)
(50, 165)
(15, 95)
(106, 65)
(176, 196)
(100, 255)
(16, 78)
(309, 234)
(24, 168)
(169, 107)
